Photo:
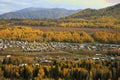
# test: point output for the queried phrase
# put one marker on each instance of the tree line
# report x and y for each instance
(29, 34)
(62, 70)
(102, 22)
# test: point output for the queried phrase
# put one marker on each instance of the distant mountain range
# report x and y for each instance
(112, 11)
(42, 13)
(38, 13)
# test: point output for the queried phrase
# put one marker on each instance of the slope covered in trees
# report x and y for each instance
(103, 18)
(113, 11)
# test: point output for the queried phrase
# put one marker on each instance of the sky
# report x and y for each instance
(13, 5)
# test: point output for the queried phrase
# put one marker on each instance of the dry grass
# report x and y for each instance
(88, 30)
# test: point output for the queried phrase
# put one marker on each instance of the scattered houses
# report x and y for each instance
(53, 46)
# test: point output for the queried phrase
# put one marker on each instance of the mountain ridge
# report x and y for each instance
(53, 13)
(113, 11)
(38, 13)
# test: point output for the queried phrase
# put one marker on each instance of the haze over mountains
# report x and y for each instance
(38, 13)
(41, 13)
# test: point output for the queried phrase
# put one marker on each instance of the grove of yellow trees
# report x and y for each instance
(63, 70)
(29, 34)
(101, 22)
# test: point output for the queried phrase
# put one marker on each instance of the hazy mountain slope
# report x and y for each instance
(38, 13)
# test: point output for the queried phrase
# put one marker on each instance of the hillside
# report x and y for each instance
(89, 18)
(38, 13)
(113, 11)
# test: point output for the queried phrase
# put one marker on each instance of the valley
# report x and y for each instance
(60, 44)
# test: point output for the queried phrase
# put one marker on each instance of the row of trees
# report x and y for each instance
(107, 37)
(29, 34)
(63, 70)
(102, 22)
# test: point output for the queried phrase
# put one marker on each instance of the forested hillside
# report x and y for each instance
(113, 11)
(103, 18)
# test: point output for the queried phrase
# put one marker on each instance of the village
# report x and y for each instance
(53, 46)
(59, 46)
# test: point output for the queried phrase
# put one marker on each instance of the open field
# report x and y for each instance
(88, 30)
(33, 54)
(72, 29)
(82, 54)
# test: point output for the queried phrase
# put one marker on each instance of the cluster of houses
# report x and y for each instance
(54, 46)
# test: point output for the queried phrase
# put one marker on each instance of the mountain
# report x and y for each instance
(38, 13)
(113, 11)
(41, 13)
